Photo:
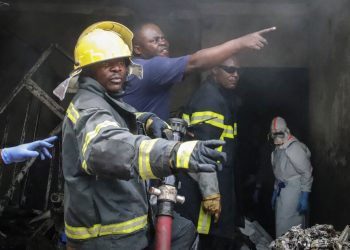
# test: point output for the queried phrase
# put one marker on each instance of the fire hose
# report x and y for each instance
(167, 195)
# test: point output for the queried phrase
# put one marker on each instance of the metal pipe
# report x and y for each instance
(16, 168)
(28, 76)
(49, 180)
(36, 125)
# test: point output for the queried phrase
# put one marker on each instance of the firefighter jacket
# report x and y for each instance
(212, 115)
(105, 164)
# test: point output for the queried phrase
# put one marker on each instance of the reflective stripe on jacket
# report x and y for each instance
(212, 115)
(105, 164)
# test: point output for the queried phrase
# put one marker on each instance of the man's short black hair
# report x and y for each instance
(137, 29)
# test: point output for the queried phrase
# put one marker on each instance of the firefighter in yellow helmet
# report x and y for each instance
(106, 161)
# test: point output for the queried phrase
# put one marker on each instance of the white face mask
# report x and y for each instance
(278, 137)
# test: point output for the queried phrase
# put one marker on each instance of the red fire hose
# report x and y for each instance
(167, 197)
(163, 232)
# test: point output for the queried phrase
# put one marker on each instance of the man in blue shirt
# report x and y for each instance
(160, 73)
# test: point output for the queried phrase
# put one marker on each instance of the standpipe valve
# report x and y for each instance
(167, 197)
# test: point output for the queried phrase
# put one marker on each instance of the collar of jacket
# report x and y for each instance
(225, 92)
(95, 87)
(231, 98)
(124, 109)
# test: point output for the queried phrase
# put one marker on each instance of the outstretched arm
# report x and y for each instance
(27, 151)
(208, 58)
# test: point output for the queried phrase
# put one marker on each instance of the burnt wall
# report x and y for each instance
(329, 111)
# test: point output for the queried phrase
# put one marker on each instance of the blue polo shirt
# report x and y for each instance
(151, 94)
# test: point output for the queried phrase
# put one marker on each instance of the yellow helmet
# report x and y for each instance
(99, 42)
(102, 41)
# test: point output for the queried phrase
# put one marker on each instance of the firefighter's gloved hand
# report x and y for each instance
(27, 151)
(198, 156)
(154, 126)
(212, 205)
(303, 204)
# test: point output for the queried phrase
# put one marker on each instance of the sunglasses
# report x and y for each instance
(229, 69)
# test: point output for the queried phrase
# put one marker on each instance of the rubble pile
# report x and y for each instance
(316, 237)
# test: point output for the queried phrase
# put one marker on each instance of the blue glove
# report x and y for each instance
(273, 199)
(63, 237)
(303, 204)
(27, 151)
